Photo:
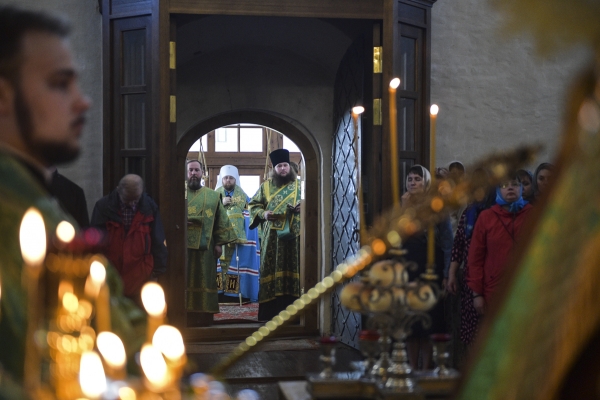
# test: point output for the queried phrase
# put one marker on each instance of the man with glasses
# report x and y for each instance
(136, 239)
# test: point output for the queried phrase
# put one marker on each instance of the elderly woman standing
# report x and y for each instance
(496, 232)
(418, 182)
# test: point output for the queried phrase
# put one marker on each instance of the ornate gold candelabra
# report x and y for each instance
(71, 350)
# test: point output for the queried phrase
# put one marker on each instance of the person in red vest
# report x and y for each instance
(136, 240)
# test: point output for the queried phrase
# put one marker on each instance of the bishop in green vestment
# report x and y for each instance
(235, 201)
(276, 205)
(208, 229)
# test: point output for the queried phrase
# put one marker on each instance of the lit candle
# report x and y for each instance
(433, 111)
(98, 278)
(394, 83)
(153, 298)
(112, 350)
(356, 111)
(65, 232)
(154, 368)
(168, 340)
(91, 375)
(32, 237)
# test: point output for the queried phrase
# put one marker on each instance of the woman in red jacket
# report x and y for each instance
(496, 231)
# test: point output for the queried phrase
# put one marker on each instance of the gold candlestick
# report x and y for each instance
(394, 83)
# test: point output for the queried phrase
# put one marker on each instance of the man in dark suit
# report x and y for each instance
(71, 198)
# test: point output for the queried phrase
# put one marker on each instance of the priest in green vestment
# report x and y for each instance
(208, 229)
(276, 205)
(42, 114)
(235, 201)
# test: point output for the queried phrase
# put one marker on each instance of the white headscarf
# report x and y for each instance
(227, 170)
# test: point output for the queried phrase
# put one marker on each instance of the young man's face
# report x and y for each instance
(49, 106)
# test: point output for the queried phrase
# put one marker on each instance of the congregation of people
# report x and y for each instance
(472, 250)
(217, 222)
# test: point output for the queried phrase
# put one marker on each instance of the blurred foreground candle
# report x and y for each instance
(91, 375)
(154, 367)
(32, 237)
(65, 232)
(98, 279)
(112, 350)
(394, 83)
(168, 340)
(153, 298)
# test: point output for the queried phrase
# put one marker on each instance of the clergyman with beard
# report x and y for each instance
(276, 205)
(208, 229)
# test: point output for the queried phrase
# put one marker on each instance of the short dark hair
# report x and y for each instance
(191, 161)
(417, 170)
(15, 22)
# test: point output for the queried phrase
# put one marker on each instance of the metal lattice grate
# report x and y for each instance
(345, 219)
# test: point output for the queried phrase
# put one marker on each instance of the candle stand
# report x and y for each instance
(392, 305)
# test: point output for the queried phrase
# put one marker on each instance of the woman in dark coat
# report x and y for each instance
(418, 182)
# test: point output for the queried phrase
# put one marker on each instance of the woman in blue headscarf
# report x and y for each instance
(496, 232)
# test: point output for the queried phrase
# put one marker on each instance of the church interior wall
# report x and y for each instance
(493, 90)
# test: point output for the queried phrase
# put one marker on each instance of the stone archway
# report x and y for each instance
(313, 214)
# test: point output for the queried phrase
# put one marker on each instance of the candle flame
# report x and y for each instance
(394, 83)
(358, 110)
(169, 341)
(112, 349)
(434, 109)
(127, 393)
(91, 375)
(98, 273)
(153, 365)
(33, 238)
(70, 302)
(153, 298)
(65, 232)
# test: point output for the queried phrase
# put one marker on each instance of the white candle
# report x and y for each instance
(394, 83)
(112, 350)
(32, 237)
(153, 298)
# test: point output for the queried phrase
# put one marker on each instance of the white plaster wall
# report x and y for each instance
(493, 90)
(86, 42)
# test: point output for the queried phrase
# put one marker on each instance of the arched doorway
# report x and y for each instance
(311, 241)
